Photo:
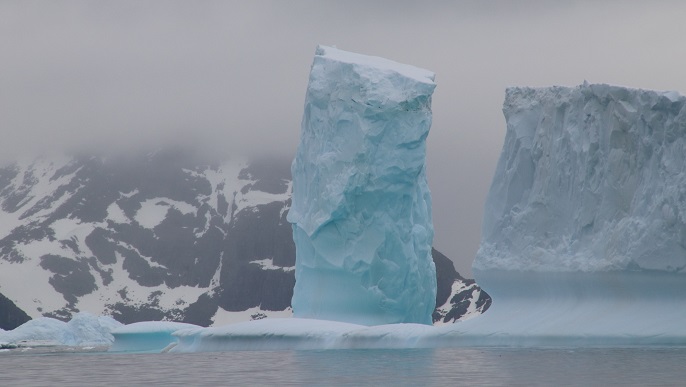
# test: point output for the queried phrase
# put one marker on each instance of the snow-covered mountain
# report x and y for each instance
(161, 236)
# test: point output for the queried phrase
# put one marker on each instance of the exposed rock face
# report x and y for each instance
(361, 209)
(10, 315)
(457, 298)
(160, 236)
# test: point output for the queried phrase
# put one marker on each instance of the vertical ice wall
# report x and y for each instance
(591, 178)
(584, 233)
(361, 208)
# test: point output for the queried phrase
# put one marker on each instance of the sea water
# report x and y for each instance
(413, 367)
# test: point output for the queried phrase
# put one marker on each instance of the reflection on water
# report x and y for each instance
(463, 366)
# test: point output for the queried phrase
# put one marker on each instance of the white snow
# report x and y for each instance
(254, 198)
(376, 63)
(223, 317)
(456, 288)
(116, 214)
(153, 211)
(268, 264)
(223, 180)
(36, 299)
(136, 294)
(33, 177)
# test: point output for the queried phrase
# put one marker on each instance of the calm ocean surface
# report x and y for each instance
(434, 367)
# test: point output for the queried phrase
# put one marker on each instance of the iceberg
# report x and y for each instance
(590, 179)
(147, 336)
(361, 210)
(84, 329)
(361, 215)
(584, 232)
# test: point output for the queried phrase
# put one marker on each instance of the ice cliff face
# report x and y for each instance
(584, 236)
(361, 208)
(591, 178)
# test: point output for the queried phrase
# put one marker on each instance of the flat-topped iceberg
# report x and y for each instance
(590, 178)
(361, 208)
(584, 233)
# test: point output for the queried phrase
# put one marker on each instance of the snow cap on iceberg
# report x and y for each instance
(361, 209)
(376, 64)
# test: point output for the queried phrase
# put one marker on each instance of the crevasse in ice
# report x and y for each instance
(361, 209)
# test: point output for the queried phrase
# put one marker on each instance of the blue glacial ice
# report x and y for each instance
(361, 209)
(147, 336)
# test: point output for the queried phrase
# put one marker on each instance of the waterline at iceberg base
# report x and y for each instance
(576, 309)
(606, 309)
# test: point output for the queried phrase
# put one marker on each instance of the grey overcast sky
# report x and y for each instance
(231, 75)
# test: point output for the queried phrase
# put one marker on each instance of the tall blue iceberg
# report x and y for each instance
(361, 209)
